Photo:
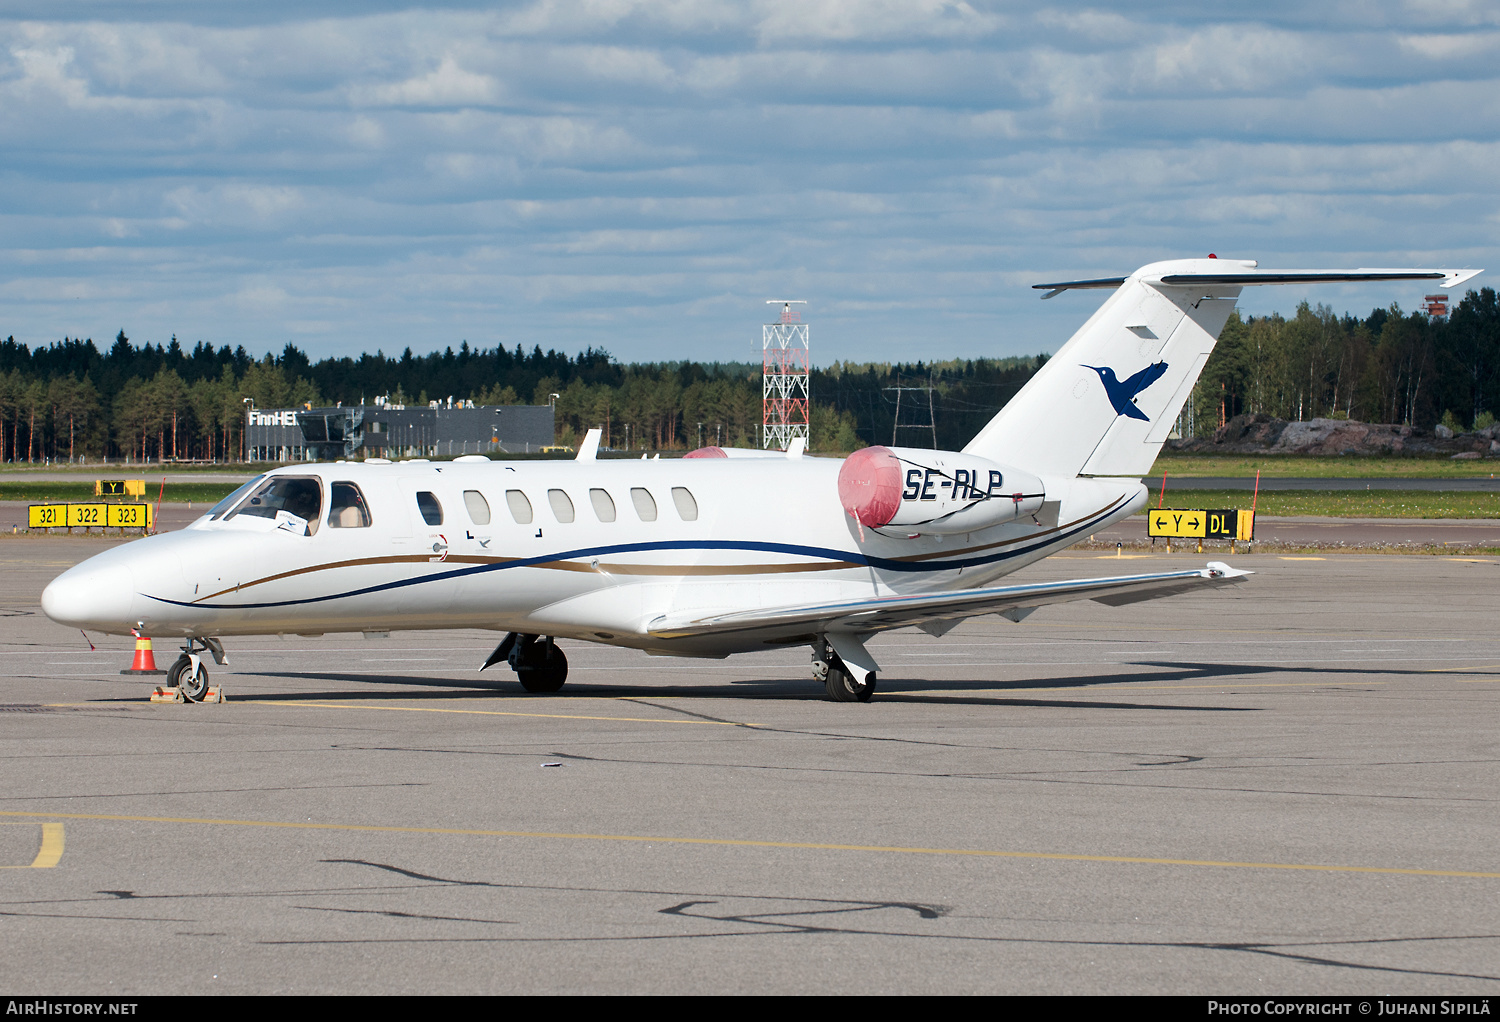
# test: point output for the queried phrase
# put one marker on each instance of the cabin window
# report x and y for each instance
(645, 504)
(520, 507)
(479, 508)
(299, 497)
(562, 505)
(432, 511)
(228, 502)
(346, 507)
(604, 505)
(687, 507)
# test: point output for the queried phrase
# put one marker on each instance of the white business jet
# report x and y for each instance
(724, 551)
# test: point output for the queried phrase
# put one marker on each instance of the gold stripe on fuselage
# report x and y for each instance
(607, 568)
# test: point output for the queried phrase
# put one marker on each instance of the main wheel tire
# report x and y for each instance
(194, 686)
(842, 688)
(546, 674)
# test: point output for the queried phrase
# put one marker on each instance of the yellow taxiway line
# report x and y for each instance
(52, 846)
(741, 843)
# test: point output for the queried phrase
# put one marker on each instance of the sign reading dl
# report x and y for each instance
(1200, 524)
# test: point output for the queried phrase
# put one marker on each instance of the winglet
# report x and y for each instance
(796, 447)
(1457, 277)
(1218, 569)
(589, 449)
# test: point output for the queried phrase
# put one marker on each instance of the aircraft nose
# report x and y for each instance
(88, 596)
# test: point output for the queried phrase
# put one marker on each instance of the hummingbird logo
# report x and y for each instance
(1122, 392)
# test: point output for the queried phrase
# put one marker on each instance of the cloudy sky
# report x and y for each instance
(641, 176)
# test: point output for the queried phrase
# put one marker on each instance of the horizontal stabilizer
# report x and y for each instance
(882, 613)
(1238, 273)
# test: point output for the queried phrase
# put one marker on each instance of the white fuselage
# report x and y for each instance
(768, 532)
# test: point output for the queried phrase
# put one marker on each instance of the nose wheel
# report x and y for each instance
(193, 683)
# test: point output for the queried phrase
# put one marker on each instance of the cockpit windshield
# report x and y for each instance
(296, 502)
(215, 512)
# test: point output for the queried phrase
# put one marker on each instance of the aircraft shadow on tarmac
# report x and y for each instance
(904, 690)
(934, 691)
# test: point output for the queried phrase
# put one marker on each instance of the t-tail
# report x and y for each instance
(1104, 404)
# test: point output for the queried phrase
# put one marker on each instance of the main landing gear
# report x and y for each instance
(539, 663)
(830, 669)
(188, 672)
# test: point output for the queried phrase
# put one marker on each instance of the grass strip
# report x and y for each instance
(1297, 466)
(42, 492)
(1343, 503)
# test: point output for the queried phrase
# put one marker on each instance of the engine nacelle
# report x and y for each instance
(934, 492)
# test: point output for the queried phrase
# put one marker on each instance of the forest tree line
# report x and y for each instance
(70, 400)
(1391, 366)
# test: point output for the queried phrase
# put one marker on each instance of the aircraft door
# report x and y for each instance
(431, 513)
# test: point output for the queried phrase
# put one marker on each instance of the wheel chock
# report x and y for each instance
(215, 694)
(162, 694)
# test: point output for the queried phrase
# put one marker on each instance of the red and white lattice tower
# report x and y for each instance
(784, 365)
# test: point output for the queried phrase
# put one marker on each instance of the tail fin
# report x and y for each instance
(1103, 405)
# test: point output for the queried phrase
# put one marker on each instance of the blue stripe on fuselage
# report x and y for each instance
(824, 553)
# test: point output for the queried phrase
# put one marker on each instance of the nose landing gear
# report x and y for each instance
(189, 675)
(539, 664)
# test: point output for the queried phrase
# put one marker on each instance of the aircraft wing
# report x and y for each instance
(931, 610)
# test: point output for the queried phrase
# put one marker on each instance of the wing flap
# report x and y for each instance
(886, 612)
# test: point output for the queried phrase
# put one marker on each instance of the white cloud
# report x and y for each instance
(564, 170)
(48, 71)
(235, 204)
(448, 84)
(793, 22)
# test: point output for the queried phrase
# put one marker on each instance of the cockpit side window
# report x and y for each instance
(298, 498)
(432, 511)
(346, 507)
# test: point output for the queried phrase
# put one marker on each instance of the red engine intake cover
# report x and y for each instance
(706, 452)
(870, 486)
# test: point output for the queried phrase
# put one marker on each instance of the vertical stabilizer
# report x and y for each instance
(1103, 405)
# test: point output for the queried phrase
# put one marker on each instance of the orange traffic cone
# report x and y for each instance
(144, 662)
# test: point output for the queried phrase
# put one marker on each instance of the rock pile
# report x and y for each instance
(1261, 434)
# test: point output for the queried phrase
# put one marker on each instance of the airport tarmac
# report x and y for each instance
(1290, 787)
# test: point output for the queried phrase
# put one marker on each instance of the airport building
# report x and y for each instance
(395, 431)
